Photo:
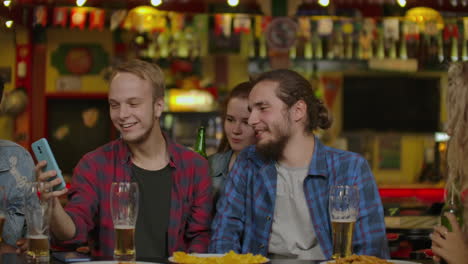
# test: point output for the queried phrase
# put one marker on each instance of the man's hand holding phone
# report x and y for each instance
(47, 169)
(44, 176)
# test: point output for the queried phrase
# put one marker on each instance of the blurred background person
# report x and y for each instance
(451, 245)
(16, 169)
(237, 134)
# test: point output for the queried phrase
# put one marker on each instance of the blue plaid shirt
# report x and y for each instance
(245, 213)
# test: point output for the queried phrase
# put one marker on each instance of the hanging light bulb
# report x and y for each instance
(464, 2)
(156, 2)
(401, 3)
(454, 2)
(80, 2)
(324, 2)
(7, 3)
(9, 23)
(233, 2)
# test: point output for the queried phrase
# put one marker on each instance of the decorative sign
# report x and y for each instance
(60, 16)
(78, 18)
(242, 23)
(391, 28)
(68, 83)
(325, 27)
(40, 16)
(96, 19)
(281, 33)
(79, 59)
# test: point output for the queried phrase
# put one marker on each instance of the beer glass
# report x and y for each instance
(124, 211)
(343, 209)
(37, 213)
(2, 210)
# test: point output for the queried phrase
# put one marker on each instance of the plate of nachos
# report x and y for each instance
(229, 258)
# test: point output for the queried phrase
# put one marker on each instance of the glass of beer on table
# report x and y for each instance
(2, 210)
(124, 210)
(37, 213)
(344, 210)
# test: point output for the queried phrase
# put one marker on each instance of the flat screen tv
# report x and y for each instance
(391, 104)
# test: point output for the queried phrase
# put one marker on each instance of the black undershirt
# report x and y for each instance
(153, 211)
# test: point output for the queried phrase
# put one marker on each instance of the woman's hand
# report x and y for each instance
(22, 245)
(449, 245)
(5, 248)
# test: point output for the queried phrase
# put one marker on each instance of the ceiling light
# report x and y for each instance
(324, 2)
(80, 2)
(156, 2)
(233, 2)
(7, 3)
(9, 23)
(402, 3)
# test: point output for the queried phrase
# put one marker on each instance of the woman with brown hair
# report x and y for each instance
(237, 134)
(452, 245)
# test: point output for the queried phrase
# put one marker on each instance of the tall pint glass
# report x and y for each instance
(124, 210)
(343, 209)
(37, 213)
(2, 210)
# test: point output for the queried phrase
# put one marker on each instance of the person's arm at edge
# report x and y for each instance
(199, 225)
(228, 223)
(370, 226)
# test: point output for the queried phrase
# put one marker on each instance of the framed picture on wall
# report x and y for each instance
(76, 125)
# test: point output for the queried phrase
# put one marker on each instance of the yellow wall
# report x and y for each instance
(8, 58)
(56, 37)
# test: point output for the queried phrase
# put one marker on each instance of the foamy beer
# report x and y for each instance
(343, 209)
(124, 240)
(124, 210)
(37, 213)
(38, 246)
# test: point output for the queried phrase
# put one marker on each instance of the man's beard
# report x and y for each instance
(273, 150)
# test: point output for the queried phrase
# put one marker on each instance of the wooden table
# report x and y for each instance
(15, 259)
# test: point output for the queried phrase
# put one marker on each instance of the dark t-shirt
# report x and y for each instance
(153, 212)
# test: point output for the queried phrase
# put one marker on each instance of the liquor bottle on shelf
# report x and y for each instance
(318, 47)
(403, 49)
(200, 145)
(440, 45)
(293, 52)
(308, 49)
(380, 44)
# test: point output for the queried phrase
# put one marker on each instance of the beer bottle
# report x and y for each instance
(200, 143)
(452, 206)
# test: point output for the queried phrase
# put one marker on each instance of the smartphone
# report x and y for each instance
(42, 151)
(73, 256)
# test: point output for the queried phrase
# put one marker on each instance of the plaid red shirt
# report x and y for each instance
(191, 201)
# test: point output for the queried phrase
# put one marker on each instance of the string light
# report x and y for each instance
(80, 2)
(233, 2)
(9, 23)
(156, 2)
(7, 3)
(402, 3)
(324, 2)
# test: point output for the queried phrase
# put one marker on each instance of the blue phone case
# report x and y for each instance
(42, 151)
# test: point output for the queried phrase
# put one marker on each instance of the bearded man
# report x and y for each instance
(275, 201)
